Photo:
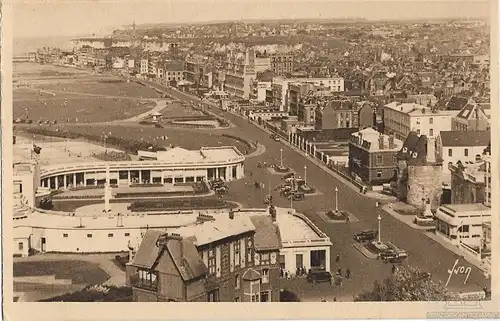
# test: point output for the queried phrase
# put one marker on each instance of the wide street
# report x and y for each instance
(424, 253)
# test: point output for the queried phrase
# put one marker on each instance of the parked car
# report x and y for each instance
(366, 235)
(289, 175)
(158, 125)
(318, 275)
(393, 256)
(297, 196)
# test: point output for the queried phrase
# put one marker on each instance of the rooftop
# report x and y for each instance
(474, 207)
(293, 228)
(413, 109)
(206, 154)
(370, 139)
(465, 138)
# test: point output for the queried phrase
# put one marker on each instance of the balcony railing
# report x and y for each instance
(137, 282)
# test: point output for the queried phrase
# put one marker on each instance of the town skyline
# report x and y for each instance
(91, 19)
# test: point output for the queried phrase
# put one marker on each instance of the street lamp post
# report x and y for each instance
(281, 157)
(379, 219)
(305, 174)
(336, 199)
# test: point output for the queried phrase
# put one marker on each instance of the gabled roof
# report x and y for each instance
(148, 250)
(465, 138)
(456, 103)
(469, 112)
(267, 235)
(251, 275)
(188, 262)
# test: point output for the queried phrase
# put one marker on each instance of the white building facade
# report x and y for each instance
(462, 224)
(402, 118)
(174, 166)
(240, 73)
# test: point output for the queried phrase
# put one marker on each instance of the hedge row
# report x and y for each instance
(189, 203)
(250, 145)
(132, 146)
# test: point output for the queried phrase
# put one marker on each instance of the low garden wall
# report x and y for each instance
(132, 146)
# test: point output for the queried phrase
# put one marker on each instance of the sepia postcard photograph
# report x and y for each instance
(339, 155)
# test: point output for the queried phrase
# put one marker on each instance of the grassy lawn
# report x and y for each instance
(71, 206)
(120, 88)
(175, 110)
(33, 69)
(80, 272)
(81, 110)
(185, 138)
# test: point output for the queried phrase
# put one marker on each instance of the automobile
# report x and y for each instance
(298, 196)
(318, 275)
(18, 121)
(393, 256)
(222, 190)
(268, 199)
(289, 180)
(158, 126)
(286, 192)
(366, 235)
(289, 175)
(276, 138)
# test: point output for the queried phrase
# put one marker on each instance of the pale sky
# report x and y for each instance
(36, 18)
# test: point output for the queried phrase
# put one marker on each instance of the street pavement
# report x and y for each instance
(424, 253)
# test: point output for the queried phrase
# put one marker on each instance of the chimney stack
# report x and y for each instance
(391, 142)
(431, 150)
(204, 218)
(381, 141)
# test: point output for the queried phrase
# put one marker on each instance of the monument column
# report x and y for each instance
(107, 192)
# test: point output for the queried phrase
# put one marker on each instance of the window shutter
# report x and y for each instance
(217, 261)
(205, 258)
(231, 256)
(242, 252)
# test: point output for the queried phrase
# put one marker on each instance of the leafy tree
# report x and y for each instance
(407, 284)
(288, 296)
(96, 293)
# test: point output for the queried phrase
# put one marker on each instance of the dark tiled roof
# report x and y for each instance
(465, 138)
(266, 233)
(409, 146)
(148, 251)
(419, 155)
(174, 66)
(469, 112)
(266, 75)
(456, 103)
(188, 262)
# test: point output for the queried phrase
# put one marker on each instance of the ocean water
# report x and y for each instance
(22, 45)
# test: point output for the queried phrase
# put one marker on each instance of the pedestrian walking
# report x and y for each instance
(348, 273)
(339, 271)
(337, 259)
(335, 299)
(394, 269)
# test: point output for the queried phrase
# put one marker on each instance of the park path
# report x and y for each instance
(160, 105)
(104, 261)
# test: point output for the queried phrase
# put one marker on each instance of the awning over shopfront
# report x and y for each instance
(443, 216)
